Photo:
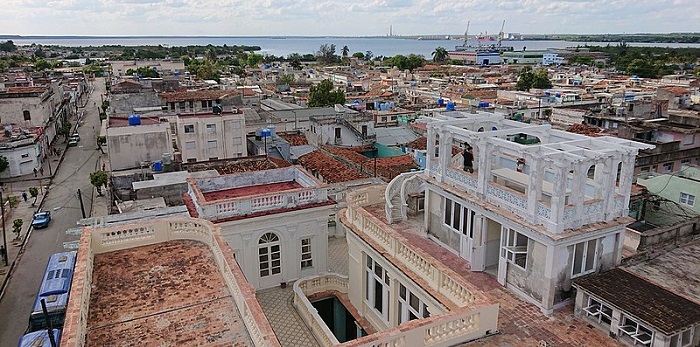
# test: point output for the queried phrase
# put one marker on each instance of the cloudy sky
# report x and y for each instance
(343, 17)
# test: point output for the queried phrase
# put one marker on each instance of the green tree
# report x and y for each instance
(322, 95)
(4, 164)
(287, 79)
(255, 59)
(541, 80)
(42, 64)
(34, 193)
(358, 55)
(64, 130)
(99, 179)
(17, 227)
(345, 51)
(326, 54)
(144, 71)
(8, 46)
(439, 55)
(369, 55)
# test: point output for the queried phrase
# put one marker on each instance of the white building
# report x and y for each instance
(276, 221)
(211, 136)
(535, 226)
(130, 146)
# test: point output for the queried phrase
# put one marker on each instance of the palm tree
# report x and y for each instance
(440, 55)
(345, 51)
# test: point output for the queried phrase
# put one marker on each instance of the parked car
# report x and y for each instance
(75, 136)
(72, 142)
(41, 219)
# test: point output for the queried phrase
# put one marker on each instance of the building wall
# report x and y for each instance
(229, 136)
(670, 187)
(129, 146)
(22, 160)
(243, 237)
(125, 103)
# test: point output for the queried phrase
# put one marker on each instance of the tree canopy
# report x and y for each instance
(326, 54)
(144, 71)
(410, 62)
(439, 55)
(322, 95)
(8, 46)
(537, 79)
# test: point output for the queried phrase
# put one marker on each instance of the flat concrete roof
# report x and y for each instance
(143, 299)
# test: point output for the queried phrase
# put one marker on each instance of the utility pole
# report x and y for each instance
(4, 238)
(52, 339)
(82, 207)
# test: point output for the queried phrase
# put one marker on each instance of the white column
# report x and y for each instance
(484, 150)
(534, 186)
(558, 194)
(626, 178)
(608, 186)
(445, 153)
(578, 191)
(430, 157)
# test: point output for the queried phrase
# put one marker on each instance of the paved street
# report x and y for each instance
(62, 201)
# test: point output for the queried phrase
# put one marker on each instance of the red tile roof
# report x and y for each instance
(331, 169)
(419, 143)
(18, 90)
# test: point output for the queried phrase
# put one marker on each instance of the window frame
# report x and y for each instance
(211, 128)
(405, 309)
(598, 310)
(678, 340)
(513, 250)
(190, 145)
(307, 259)
(372, 280)
(634, 330)
(214, 142)
(687, 199)
(584, 270)
(463, 223)
(270, 242)
(190, 127)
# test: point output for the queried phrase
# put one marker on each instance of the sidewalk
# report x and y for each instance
(24, 211)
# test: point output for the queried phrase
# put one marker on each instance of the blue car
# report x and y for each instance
(41, 219)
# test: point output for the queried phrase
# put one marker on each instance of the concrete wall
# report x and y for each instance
(125, 103)
(229, 136)
(129, 146)
(22, 160)
(243, 235)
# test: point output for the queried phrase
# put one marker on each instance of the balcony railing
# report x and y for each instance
(102, 240)
(266, 202)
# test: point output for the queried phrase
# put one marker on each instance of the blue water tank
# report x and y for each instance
(311, 70)
(134, 119)
(356, 101)
(547, 93)
(460, 90)
(450, 106)
(349, 84)
(557, 95)
(157, 166)
(441, 102)
(413, 84)
(265, 132)
(376, 105)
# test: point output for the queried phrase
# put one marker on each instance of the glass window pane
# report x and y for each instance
(402, 291)
(578, 257)
(378, 270)
(275, 248)
(414, 302)
(448, 211)
(590, 255)
(275, 270)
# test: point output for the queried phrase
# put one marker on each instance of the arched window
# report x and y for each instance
(269, 255)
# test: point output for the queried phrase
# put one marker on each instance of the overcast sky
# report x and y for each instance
(343, 17)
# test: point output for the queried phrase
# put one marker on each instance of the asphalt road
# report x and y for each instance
(62, 201)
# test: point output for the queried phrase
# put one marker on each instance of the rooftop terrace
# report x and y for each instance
(139, 299)
(519, 323)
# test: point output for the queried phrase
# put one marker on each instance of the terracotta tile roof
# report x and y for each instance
(661, 309)
(197, 95)
(139, 299)
(677, 91)
(419, 143)
(331, 169)
(295, 139)
(245, 164)
(349, 154)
